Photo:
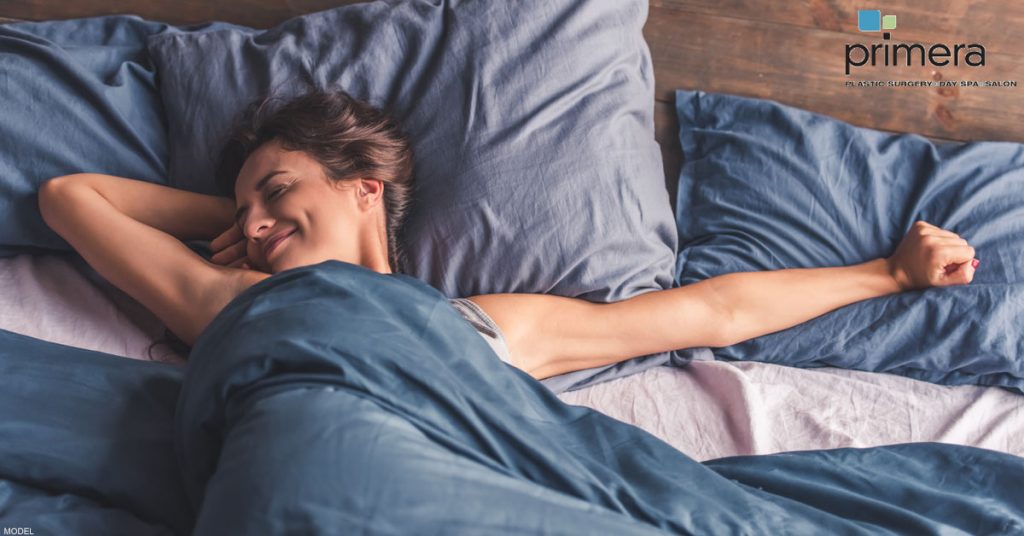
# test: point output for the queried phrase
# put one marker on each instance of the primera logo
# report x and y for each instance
(939, 55)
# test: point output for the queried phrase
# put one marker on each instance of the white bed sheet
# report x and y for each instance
(712, 409)
(707, 410)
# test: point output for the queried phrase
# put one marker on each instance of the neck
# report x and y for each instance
(373, 252)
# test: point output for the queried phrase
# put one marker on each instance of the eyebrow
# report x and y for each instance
(259, 185)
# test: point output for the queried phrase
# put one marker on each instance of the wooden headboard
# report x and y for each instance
(791, 51)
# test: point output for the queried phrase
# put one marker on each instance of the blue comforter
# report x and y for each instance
(332, 399)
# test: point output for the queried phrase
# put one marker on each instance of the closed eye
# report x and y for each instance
(276, 192)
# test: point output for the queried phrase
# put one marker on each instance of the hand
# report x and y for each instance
(230, 249)
(929, 256)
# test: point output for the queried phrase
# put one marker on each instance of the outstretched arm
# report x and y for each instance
(550, 335)
(766, 302)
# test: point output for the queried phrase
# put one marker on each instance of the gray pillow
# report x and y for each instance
(536, 165)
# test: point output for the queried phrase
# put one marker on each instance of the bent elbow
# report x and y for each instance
(55, 199)
(48, 198)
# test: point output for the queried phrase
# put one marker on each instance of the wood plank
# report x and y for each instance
(806, 68)
(252, 13)
(997, 24)
(666, 132)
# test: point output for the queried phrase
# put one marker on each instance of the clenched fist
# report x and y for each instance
(929, 256)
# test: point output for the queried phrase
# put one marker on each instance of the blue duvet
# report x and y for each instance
(331, 399)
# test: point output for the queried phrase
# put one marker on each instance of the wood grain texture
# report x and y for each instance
(806, 68)
(995, 23)
(666, 132)
(791, 51)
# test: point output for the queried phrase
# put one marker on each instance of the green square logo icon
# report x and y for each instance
(889, 22)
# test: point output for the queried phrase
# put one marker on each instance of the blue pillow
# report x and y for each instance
(532, 125)
(766, 187)
(79, 96)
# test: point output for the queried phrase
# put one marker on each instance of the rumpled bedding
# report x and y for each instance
(707, 410)
(79, 95)
(766, 186)
(331, 398)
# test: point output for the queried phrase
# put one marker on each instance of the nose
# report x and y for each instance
(257, 224)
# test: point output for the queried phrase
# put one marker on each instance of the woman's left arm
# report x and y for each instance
(766, 302)
(550, 335)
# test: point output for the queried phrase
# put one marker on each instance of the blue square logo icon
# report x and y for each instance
(869, 20)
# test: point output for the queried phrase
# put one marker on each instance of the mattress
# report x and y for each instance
(707, 409)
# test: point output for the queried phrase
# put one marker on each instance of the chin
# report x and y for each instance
(286, 263)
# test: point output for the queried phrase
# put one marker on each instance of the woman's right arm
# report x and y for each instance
(179, 213)
(131, 232)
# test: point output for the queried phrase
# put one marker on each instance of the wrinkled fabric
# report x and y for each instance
(87, 441)
(78, 96)
(714, 409)
(333, 396)
(707, 410)
(333, 399)
(531, 122)
(767, 186)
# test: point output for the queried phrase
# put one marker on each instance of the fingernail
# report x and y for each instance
(975, 263)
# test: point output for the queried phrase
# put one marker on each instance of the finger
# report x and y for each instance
(973, 263)
(952, 257)
(964, 274)
(229, 254)
(953, 268)
(223, 256)
(940, 233)
(239, 263)
(228, 237)
(220, 241)
(929, 229)
(957, 254)
(935, 231)
(947, 241)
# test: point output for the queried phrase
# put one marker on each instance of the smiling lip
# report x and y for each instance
(272, 244)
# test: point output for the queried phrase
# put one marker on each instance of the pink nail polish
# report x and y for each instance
(975, 263)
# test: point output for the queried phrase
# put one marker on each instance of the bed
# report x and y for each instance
(708, 409)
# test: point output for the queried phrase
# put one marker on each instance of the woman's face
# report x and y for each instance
(293, 215)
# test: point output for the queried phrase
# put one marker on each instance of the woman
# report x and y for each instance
(326, 176)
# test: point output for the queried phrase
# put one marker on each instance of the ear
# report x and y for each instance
(369, 192)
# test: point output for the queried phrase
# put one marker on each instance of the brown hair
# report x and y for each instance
(349, 138)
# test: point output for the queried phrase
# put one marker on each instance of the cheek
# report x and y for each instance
(251, 251)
